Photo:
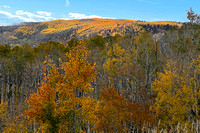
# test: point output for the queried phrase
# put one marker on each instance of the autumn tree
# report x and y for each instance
(117, 65)
(118, 114)
(176, 95)
(61, 99)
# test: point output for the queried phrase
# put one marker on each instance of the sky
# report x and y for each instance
(16, 11)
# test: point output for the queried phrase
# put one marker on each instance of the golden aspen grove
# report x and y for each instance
(146, 81)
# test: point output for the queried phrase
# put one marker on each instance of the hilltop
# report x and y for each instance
(59, 30)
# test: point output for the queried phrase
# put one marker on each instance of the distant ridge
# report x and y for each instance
(58, 30)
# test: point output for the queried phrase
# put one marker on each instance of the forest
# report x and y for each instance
(141, 82)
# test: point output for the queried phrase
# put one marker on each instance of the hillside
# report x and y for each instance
(59, 30)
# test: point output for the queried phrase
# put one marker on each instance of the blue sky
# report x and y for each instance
(16, 11)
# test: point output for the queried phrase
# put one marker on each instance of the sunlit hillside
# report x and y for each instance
(59, 30)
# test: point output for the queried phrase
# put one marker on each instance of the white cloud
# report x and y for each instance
(44, 13)
(35, 17)
(5, 6)
(39, 16)
(67, 2)
(28, 16)
(83, 16)
(9, 15)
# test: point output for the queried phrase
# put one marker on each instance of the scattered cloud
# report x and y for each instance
(9, 15)
(28, 16)
(67, 2)
(44, 13)
(33, 16)
(5, 6)
(82, 16)
(39, 16)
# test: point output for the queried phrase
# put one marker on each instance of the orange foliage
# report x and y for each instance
(62, 94)
(45, 95)
(116, 113)
(86, 27)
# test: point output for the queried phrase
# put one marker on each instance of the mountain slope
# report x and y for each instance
(59, 30)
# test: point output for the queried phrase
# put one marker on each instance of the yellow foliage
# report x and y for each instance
(3, 110)
(175, 95)
(88, 26)
(164, 23)
(118, 62)
(12, 123)
(26, 30)
(59, 96)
